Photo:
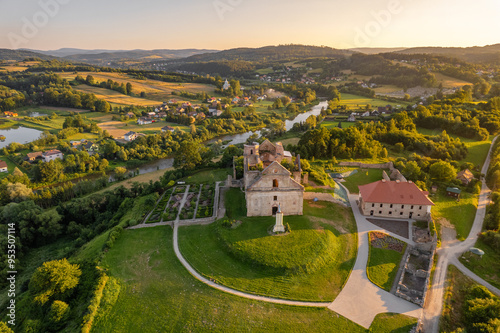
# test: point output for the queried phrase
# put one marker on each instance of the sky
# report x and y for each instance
(225, 24)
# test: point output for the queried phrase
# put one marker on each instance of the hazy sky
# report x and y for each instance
(223, 24)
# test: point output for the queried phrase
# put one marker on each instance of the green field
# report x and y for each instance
(335, 123)
(383, 265)
(478, 150)
(487, 267)
(362, 177)
(158, 295)
(461, 214)
(359, 102)
(264, 270)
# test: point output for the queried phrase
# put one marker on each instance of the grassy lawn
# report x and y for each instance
(461, 214)
(362, 177)
(158, 295)
(454, 298)
(315, 236)
(487, 267)
(478, 150)
(383, 265)
(208, 176)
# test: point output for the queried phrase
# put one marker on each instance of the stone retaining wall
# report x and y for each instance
(322, 197)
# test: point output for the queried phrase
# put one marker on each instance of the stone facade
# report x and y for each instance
(408, 211)
(272, 187)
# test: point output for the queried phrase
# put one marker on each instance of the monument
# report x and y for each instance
(279, 227)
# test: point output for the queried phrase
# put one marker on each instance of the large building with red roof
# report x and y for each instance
(394, 199)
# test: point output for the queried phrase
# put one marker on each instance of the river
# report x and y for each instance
(234, 139)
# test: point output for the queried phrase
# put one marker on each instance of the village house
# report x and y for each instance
(130, 136)
(272, 187)
(51, 155)
(465, 176)
(162, 114)
(352, 118)
(130, 114)
(394, 199)
(90, 147)
(168, 129)
(214, 112)
(33, 157)
(3, 166)
(144, 121)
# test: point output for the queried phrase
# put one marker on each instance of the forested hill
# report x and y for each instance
(271, 53)
(476, 54)
(18, 55)
(98, 58)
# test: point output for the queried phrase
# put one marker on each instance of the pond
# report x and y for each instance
(19, 134)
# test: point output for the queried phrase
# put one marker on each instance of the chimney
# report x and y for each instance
(398, 181)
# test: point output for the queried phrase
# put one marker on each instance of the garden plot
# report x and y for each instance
(189, 210)
(206, 202)
(156, 214)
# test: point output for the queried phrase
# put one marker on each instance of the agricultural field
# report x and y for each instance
(450, 82)
(115, 97)
(384, 259)
(158, 294)
(158, 91)
(246, 258)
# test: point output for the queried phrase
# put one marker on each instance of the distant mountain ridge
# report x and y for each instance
(19, 55)
(270, 53)
(478, 54)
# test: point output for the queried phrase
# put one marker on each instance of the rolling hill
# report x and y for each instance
(477, 54)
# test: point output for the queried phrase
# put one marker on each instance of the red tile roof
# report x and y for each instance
(394, 193)
(3, 164)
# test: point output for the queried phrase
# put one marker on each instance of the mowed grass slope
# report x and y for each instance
(356, 101)
(158, 295)
(275, 265)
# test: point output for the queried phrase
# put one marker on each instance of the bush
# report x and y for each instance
(59, 312)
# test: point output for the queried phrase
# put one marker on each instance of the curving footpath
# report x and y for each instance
(449, 255)
(233, 291)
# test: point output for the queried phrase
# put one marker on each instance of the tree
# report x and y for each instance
(54, 278)
(128, 88)
(4, 328)
(412, 170)
(188, 155)
(442, 171)
(50, 171)
(59, 312)
(90, 80)
(18, 191)
(277, 104)
(120, 172)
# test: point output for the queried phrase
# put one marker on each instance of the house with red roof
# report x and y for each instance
(394, 199)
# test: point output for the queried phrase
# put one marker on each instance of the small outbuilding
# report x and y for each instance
(453, 192)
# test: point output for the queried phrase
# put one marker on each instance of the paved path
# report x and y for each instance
(233, 291)
(449, 253)
(360, 300)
